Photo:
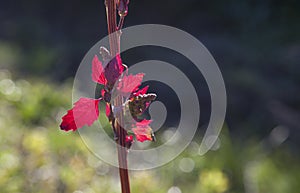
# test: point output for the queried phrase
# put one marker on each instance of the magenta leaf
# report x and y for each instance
(130, 83)
(107, 110)
(143, 131)
(98, 71)
(128, 141)
(84, 112)
(113, 70)
(141, 91)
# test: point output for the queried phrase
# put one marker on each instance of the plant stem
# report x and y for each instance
(114, 43)
(114, 40)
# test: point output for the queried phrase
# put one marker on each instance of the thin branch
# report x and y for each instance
(121, 22)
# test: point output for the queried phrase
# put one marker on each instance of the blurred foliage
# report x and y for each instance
(35, 156)
(256, 44)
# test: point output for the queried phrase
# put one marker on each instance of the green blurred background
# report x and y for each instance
(255, 43)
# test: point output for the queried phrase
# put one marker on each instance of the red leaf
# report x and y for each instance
(141, 91)
(107, 110)
(84, 112)
(103, 92)
(114, 69)
(98, 71)
(130, 83)
(143, 131)
(129, 139)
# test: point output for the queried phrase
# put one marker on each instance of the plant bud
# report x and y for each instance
(122, 6)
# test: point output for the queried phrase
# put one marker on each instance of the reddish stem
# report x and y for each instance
(114, 42)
